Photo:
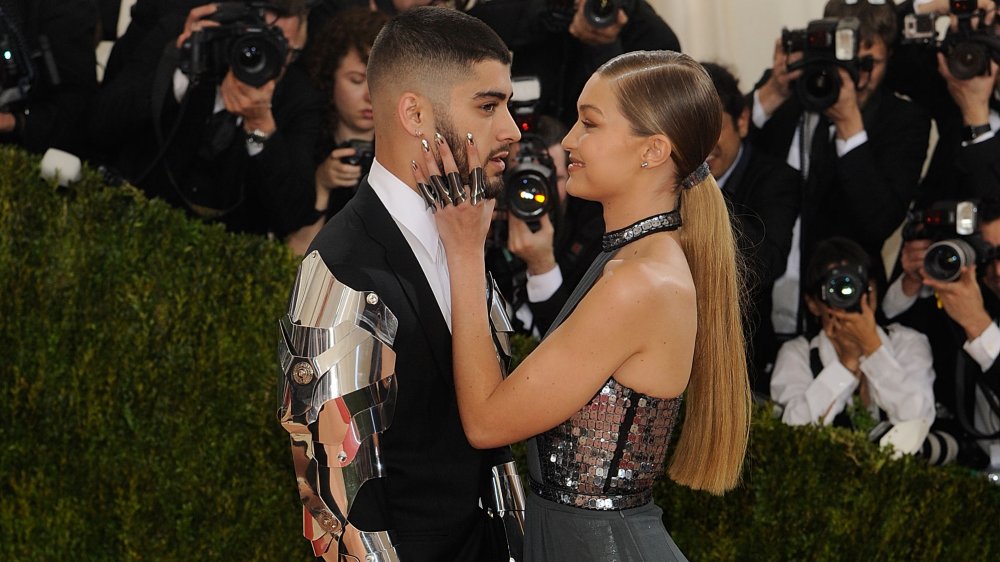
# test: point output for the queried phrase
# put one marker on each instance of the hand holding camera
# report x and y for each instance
(250, 103)
(845, 113)
(854, 332)
(962, 300)
(343, 168)
(598, 22)
(778, 87)
(912, 262)
(535, 248)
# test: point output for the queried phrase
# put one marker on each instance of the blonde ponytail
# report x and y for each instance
(713, 442)
(663, 92)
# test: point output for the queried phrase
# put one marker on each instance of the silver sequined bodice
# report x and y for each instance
(608, 454)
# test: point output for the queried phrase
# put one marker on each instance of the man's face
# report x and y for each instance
(728, 148)
(991, 235)
(295, 30)
(478, 105)
(879, 52)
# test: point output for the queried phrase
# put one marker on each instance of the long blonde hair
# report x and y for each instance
(663, 92)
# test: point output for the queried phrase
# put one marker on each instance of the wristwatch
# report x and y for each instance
(972, 132)
(257, 138)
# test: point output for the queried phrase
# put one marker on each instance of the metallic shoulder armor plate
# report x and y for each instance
(337, 392)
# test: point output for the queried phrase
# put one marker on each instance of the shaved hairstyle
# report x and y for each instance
(427, 50)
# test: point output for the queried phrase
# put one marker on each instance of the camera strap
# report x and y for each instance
(962, 386)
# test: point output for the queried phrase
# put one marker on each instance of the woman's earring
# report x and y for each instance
(644, 165)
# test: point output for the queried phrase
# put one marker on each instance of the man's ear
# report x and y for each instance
(743, 123)
(657, 150)
(815, 308)
(414, 114)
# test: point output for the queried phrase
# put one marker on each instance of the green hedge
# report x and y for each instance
(137, 400)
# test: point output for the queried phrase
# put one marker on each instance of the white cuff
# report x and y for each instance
(985, 348)
(541, 287)
(895, 301)
(849, 144)
(758, 115)
(181, 83)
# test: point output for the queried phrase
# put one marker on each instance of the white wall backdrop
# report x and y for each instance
(737, 33)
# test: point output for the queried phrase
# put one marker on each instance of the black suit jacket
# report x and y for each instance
(865, 194)
(435, 478)
(763, 196)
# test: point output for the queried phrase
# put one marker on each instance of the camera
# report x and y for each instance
(530, 180)
(598, 13)
(243, 42)
(843, 286)
(967, 51)
(826, 45)
(954, 229)
(364, 154)
(19, 71)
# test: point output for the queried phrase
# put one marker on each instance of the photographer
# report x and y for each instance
(49, 76)
(763, 197)
(959, 318)
(889, 369)
(553, 258)
(966, 160)
(860, 157)
(213, 130)
(563, 41)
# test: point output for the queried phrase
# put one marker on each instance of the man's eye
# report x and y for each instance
(587, 124)
(489, 107)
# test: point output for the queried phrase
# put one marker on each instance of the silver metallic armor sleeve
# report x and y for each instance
(507, 501)
(337, 392)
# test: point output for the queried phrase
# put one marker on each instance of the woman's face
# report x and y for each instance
(604, 153)
(350, 96)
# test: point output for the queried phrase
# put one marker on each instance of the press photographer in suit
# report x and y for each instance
(763, 197)
(227, 139)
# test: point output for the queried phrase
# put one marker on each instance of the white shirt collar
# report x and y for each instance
(406, 207)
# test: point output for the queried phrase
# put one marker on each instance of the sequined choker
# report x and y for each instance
(656, 223)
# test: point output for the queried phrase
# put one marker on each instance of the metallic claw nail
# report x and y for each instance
(438, 138)
(428, 194)
(478, 185)
(456, 189)
(442, 190)
(469, 136)
(425, 144)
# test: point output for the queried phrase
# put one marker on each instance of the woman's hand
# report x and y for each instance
(463, 216)
(333, 173)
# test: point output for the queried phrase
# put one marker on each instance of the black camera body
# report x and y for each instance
(530, 178)
(826, 45)
(967, 51)
(21, 67)
(598, 13)
(364, 154)
(953, 227)
(843, 286)
(243, 42)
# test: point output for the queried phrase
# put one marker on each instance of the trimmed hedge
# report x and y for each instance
(137, 401)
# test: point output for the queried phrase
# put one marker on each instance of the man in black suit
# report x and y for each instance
(763, 197)
(431, 70)
(861, 157)
(220, 148)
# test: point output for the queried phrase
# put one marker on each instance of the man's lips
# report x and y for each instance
(573, 165)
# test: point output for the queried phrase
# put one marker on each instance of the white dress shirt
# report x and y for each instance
(416, 221)
(985, 350)
(900, 376)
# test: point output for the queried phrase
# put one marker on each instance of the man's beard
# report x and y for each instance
(494, 185)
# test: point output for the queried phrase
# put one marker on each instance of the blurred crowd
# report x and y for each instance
(869, 242)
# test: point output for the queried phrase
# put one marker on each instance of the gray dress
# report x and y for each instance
(591, 477)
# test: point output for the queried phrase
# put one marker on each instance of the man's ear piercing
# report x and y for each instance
(644, 165)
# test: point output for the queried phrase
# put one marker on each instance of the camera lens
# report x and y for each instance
(528, 195)
(945, 259)
(968, 60)
(601, 13)
(843, 289)
(819, 87)
(256, 57)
